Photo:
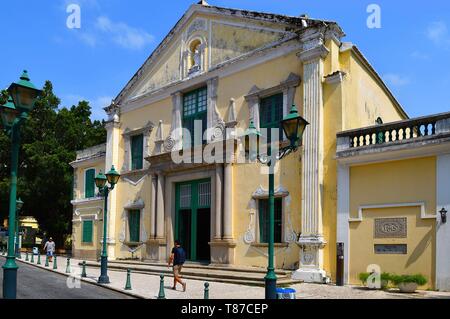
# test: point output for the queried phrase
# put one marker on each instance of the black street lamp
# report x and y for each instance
(22, 97)
(112, 177)
(293, 126)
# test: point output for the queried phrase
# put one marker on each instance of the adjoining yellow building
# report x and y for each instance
(393, 196)
(87, 205)
(225, 68)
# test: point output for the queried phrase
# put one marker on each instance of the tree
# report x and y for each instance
(49, 141)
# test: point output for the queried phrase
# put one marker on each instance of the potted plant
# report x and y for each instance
(409, 283)
(385, 277)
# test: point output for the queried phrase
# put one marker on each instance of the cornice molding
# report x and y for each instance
(146, 129)
(318, 52)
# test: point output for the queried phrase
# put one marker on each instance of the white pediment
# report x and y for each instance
(204, 39)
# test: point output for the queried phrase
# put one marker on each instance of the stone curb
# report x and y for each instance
(86, 280)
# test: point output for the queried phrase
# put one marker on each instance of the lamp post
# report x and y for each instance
(112, 177)
(22, 97)
(19, 205)
(293, 126)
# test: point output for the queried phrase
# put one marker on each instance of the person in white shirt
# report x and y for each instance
(50, 248)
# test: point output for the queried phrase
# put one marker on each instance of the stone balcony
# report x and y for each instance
(405, 134)
(89, 154)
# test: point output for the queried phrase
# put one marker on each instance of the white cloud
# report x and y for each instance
(420, 56)
(396, 79)
(88, 38)
(97, 104)
(124, 35)
(437, 32)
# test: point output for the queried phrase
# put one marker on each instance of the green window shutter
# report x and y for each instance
(195, 108)
(137, 145)
(264, 220)
(89, 183)
(87, 231)
(271, 114)
(134, 221)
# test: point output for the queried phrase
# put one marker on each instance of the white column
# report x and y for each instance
(343, 214)
(112, 154)
(153, 207)
(218, 224)
(228, 203)
(311, 240)
(160, 207)
(443, 230)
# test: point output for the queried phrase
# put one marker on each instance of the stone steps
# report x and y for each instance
(243, 276)
(206, 267)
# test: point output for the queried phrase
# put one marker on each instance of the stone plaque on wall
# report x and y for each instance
(390, 228)
(400, 249)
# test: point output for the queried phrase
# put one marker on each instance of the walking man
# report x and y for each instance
(50, 248)
(178, 257)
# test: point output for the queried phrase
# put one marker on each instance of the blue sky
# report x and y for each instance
(411, 50)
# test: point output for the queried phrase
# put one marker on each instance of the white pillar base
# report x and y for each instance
(310, 275)
(311, 260)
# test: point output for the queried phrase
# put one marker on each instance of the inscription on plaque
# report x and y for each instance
(390, 228)
(399, 249)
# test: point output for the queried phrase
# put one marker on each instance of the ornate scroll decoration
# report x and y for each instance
(218, 131)
(290, 235)
(249, 236)
(169, 144)
(123, 234)
(260, 192)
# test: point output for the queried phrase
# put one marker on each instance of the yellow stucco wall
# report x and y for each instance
(365, 98)
(96, 235)
(397, 182)
(86, 209)
(264, 76)
(247, 178)
(232, 41)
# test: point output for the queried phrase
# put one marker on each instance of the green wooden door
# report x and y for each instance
(193, 218)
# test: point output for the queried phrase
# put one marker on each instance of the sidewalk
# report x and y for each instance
(147, 286)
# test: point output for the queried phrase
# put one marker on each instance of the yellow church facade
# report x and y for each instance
(224, 68)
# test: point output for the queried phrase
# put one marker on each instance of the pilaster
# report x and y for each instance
(442, 230)
(228, 203)
(311, 240)
(112, 158)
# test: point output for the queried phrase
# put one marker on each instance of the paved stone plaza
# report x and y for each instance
(147, 286)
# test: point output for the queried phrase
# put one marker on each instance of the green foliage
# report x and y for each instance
(3, 97)
(363, 277)
(419, 279)
(50, 138)
(385, 276)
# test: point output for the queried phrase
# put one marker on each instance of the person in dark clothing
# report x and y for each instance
(177, 257)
